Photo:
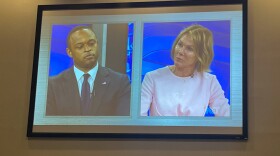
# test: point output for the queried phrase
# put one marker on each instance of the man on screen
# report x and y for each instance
(87, 89)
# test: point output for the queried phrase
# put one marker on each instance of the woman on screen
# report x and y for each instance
(185, 88)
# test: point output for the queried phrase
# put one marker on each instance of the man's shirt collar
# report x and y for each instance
(79, 74)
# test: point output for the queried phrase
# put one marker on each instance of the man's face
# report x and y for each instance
(83, 49)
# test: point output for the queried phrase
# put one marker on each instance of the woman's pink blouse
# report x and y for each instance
(166, 94)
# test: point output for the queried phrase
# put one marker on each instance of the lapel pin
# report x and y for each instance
(104, 82)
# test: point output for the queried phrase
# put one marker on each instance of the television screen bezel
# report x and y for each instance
(156, 4)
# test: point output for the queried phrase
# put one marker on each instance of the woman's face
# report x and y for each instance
(184, 53)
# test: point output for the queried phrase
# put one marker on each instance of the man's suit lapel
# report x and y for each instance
(101, 84)
(71, 88)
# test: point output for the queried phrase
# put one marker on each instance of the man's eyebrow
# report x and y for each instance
(92, 39)
(79, 43)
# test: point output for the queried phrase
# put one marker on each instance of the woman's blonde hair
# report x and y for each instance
(203, 44)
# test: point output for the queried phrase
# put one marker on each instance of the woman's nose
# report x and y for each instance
(181, 52)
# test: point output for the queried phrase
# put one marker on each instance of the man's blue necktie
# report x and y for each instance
(85, 96)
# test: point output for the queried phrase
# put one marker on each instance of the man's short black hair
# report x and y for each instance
(77, 28)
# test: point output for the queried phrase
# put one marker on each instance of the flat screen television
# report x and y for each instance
(137, 40)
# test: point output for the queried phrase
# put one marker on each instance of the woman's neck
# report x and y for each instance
(182, 72)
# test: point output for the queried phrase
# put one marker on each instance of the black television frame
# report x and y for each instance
(157, 4)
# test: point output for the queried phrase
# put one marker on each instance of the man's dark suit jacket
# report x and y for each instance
(110, 97)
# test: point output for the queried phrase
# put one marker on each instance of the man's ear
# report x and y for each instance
(69, 52)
